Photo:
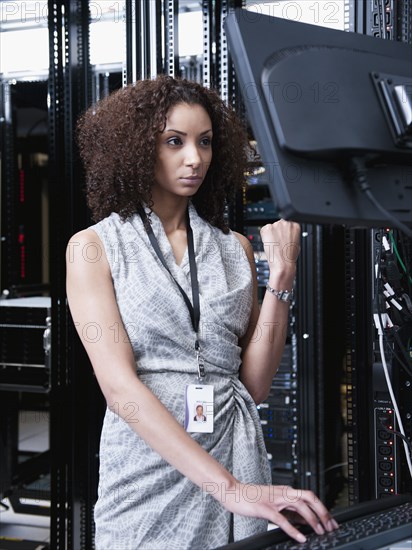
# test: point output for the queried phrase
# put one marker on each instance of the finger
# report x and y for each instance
(319, 509)
(301, 502)
(288, 528)
(309, 517)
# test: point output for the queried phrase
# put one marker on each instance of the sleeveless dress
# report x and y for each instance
(143, 502)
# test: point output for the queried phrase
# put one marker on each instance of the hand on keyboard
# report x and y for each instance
(277, 503)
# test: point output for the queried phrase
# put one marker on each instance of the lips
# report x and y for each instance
(191, 179)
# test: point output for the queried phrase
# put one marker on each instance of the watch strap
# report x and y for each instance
(281, 295)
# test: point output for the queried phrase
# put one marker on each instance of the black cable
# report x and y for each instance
(3, 505)
(400, 361)
(405, 310)
(378, 308)
(359, 173)
(376, 296)
(395, 432)
(396, 223)
(406, 261)
(404, 353)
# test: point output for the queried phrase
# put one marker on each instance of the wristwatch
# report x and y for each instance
(281, 295)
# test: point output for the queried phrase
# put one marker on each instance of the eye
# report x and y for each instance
(206, 142)
(174, 141)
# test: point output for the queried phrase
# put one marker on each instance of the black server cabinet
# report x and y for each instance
(377, 463)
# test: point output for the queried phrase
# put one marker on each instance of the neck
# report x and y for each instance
(172, 213)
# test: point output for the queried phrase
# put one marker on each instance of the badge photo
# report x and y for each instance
(199, 408)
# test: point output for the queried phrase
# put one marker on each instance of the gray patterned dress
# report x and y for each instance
(143, 502)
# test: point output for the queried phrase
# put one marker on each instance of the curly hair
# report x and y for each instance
(117, 142)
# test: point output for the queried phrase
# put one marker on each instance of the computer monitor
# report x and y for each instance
(317, 99)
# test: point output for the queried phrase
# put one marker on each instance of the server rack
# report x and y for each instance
(358, 316)
(9, 266)
(71, 415)
(377, 465)
(24, 320)
(392, 307)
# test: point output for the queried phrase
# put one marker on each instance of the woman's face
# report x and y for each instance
(184, 151)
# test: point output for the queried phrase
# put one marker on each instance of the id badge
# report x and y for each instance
(199, 408)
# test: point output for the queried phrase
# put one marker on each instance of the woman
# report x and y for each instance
(172, 293)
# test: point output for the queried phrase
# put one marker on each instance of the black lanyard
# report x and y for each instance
(194, 309)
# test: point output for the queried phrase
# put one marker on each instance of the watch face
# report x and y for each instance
(286, 296)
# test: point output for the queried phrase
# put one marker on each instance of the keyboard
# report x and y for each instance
(365, 526)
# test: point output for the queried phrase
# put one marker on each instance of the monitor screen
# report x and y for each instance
(331, 112)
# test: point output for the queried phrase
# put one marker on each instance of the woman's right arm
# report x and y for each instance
(92, 303)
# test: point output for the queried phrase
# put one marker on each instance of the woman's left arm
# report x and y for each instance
(263, 343)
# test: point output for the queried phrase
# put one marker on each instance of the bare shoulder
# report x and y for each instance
(85, 252)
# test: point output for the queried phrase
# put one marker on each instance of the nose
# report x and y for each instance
(193, 157)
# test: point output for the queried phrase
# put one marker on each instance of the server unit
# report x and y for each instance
(25, 344)
(24, 370)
